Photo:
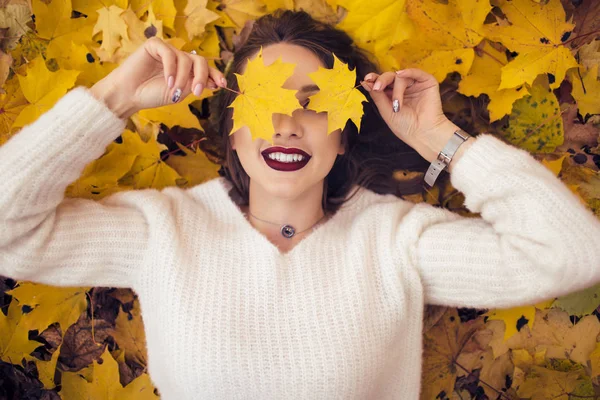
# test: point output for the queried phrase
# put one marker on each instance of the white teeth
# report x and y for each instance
(281, 157)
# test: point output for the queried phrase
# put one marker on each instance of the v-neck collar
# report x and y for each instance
(232, 207)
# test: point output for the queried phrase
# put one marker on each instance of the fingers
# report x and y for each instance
(216, 78)
(401, 85)
(205, 76)
(200, 76)
(183, 83)
(184, 72)
(417, 74)
(166, 55)
(402, 82)
(377, 90)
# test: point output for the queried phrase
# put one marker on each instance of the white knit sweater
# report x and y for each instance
(228, 316)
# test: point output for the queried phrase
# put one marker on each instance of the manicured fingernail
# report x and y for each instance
(170, 82)
(377, 86)
(223, 82)
(396, 105)
(176, 95)
(198, 89)
(400, 71)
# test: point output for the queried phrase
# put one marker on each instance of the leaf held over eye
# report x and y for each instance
(337, 95)
(262, 95)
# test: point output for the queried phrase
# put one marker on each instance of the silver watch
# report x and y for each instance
(445, 156)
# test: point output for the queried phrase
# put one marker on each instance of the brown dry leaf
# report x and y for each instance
(444, 344)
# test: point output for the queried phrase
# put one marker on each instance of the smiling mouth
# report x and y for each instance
(285, 166)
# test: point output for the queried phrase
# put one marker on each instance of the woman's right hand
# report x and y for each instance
(142, 80)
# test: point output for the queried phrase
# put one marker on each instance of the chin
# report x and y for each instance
(285, 190)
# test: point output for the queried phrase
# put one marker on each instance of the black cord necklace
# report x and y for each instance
(287, 231)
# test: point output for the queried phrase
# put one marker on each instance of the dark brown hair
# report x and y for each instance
(371, 156)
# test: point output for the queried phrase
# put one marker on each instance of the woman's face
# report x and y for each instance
(305, 130)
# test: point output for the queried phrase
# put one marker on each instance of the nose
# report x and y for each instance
(286, 126)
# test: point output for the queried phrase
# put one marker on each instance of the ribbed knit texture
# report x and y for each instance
(228, 316)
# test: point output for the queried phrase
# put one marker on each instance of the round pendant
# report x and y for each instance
(287, 231)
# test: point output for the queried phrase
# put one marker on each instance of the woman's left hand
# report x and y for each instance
(420, 117)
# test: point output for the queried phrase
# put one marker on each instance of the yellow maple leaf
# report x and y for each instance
(198, 16)
(595, 360)
(586, 91)
(523, 315)
(376, 28)
(42, 89)
(445, 36)
(148, 170)
(70, 54)
(113, 28)
(175, 114)
(262, 95)
(105, 382)
(129, 334)
(90, 7)
(522, 359)
(14, 341)
(47, 369)
(54, 20)
(209, 46)
(555, 166)
(136, 31)
(543, 383)
(168, 11)
(484, 77)
(49, 305)
(100, 177)
(12, 104)
(223, 21)
(535, 123)
(536, 32)
(132, 164)
(194, 167)
(237, 12)
(337, 95)
(273, 5)
(164, 8)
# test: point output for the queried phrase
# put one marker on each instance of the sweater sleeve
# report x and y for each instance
(60, 241)
(535, 239)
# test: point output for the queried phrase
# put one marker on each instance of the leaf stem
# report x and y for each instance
(581, 36)
(171, 152)
(92, 323)
(492, 57)
(482, 381)
(231, 90)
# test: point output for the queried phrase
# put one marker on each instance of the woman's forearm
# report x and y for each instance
(106, 92)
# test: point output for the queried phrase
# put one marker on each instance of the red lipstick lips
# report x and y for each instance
(285, 166)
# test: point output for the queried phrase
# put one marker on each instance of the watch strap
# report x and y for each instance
(445, 156)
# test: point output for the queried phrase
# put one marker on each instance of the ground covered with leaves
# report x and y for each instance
(524, 70)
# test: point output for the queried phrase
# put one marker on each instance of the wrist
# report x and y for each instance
(435, 141)
(106, 92)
